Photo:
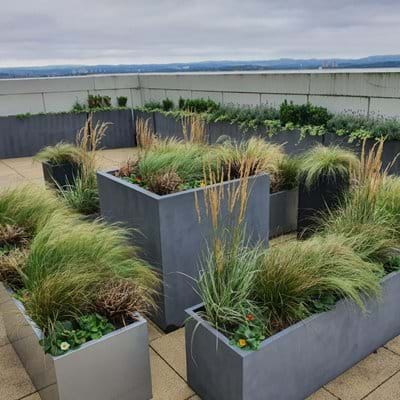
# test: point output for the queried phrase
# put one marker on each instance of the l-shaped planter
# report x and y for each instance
(116, 366)
(295, 362)
(170, 236)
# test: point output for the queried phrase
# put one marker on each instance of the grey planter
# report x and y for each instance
(391, 150)
(283, 212)
(296, 362)
(117, 366)
(59, 175)
(292, 143)
(167, 230)
(120, 132)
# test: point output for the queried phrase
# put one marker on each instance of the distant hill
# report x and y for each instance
(385, 61)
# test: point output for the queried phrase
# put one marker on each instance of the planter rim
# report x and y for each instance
(109, 174)
(39, 334)
(48, 163)
(284, 191)
(193, 314)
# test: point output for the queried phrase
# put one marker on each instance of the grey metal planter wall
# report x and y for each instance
(21, 137)
(168, 126)
(117, 366)
(59, 175)
(121, 132)
(292, 142)
(170, 236)
(296, 362)
(324, 194)
(217, 129)
(390, 155)
(283, 212)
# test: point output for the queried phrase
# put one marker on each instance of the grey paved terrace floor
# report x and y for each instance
(375, 378)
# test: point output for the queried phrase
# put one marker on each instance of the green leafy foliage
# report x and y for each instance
(304, 114)
(249, 334)
(167, 104)
(122, 101)
(98, 101)
(198, 105)
(70, 335)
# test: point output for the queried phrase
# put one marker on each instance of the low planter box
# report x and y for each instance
(116, 366)
(59, 175)
(297, 361)
(314, 200)
(283, 212)
(171, 238)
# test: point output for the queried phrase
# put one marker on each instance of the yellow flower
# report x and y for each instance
(202, 184)
(242, 343)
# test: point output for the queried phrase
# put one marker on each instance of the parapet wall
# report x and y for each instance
(369, 92)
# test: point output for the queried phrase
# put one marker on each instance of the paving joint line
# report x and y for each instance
(155, 351)
(332, 394)
(14, 169)
(392, 351)
(381, 384)
(26, 396)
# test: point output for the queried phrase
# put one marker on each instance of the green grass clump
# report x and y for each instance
(61, 153)
(226, 285)
(328, 161)
(28, 206)
(299, 277)
(82, 195)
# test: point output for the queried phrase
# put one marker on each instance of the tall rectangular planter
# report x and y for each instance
(167, 230)
(283, 212)
(297, 361)
(116, 366)
(166, 126)
(25, 136)
(120, 133)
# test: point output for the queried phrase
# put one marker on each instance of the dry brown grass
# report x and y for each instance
(11, 235)
(165, 183)
(145, 137)
(196, 132)
(88, 141)
(119, 299)
(11, 267)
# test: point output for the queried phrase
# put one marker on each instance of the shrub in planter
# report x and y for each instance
(324, 176)
(60, 164)
(79, 290)
(122, 101)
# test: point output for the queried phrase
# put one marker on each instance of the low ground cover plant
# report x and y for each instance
(250, 293)
(77, 280)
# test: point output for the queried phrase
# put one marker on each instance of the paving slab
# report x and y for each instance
(154, 331)
(14, 381)
(171, 348)
(3, 335)
(167, 384)
(394, 345)
(367, 375)
(390, 390)
(34, 396)
(322, 394)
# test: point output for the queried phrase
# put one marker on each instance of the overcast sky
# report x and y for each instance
(43, 32)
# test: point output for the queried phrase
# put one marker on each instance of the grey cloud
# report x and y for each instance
(140, 31)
